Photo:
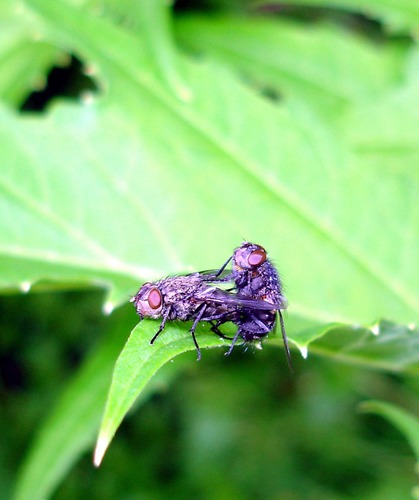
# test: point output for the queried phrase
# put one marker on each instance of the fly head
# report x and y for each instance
(149, 301)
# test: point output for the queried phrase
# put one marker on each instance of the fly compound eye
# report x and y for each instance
(154, 298)
(257, 257)
(150, 301)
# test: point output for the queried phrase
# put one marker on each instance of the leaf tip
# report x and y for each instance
(101, 447)
(375, 329)
(304, 351)
(25, 286)
(108, 307)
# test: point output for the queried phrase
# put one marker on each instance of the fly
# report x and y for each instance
(255, 278)
(191, 298)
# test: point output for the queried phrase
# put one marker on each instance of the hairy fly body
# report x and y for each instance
(255, 278)
(191, 298)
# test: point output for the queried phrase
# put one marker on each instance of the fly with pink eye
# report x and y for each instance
(255, 278)
(253, 304)
(189, 298)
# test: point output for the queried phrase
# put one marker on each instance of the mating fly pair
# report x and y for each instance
(253, 304)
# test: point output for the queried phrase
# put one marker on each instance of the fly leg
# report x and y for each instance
(263, 328)
(255, 320)
(162, 325)
(223, 267)
(217, 331)
(193, 328)
(213, 277)
(233, 343)
(284, 338)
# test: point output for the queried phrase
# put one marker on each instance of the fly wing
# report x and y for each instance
(260, 305)
(231, 300)
(207, 276)
(215, 275)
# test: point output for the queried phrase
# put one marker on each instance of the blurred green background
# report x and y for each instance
(237, 427)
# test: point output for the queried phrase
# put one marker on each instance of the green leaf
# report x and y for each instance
(137, 363)
(301, 176)
(23, 61)
(319, 64)
(400, 15)
(386, 345)
(70, 428)
(404, 421)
